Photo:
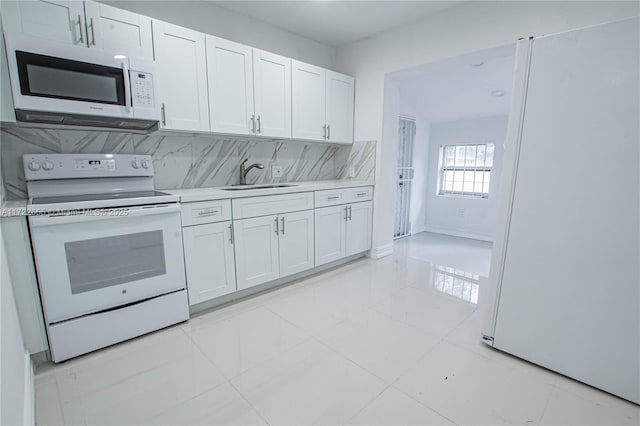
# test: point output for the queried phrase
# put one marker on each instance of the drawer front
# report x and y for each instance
(362, 193)
(330, 197)
(271, 204)
(202, 212)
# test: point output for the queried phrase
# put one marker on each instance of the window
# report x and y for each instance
(466, 170)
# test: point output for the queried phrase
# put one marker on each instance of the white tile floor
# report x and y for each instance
(373, 342)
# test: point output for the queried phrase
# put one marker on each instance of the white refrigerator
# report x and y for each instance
(565, 272)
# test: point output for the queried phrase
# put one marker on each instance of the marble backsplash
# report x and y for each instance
(191, 161)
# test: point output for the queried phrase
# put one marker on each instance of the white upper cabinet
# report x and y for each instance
(308, 92)
(340, 98)
(181, 65)
(322, 104)
(61, 21)
(230, 78)
(272, 94)
(118, 31)
(83, 24)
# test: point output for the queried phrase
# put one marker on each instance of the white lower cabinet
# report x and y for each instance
(209, 261)
(359, 227)
(342, 231)
(296, 245)
(270, 247)
(256, 250)
(331, 229)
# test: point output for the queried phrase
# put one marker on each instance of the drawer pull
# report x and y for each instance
(208, 212)
(361, 194)
(335, 197)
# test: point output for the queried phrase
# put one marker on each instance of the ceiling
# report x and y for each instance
(335, 23)
(460, 88)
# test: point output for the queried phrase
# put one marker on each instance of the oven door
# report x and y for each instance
(100, 259)
(53, 77)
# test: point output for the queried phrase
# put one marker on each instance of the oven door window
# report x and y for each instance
(50, 77)
(105, 262)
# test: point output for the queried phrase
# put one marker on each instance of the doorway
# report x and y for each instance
(406, 137)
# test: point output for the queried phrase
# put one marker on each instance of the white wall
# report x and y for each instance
(420, 159)
(456, 31)
(464, 216)
(211, 19)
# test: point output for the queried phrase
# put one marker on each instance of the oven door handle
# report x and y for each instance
(91, 215)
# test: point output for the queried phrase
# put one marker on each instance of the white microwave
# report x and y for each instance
(56, 84)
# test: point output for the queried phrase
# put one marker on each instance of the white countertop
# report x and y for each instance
(206, 194)
(19, 207)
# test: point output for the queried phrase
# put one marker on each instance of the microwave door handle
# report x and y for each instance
(127, 87)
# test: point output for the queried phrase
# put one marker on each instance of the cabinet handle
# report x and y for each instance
(164, 115)
(80, 28)
(208, 212)
(346, 214)
(328, 131)
(282, 225)
(231, 236)
(259, 125)
(324, 131)
(335, 197)
(93, 35)
(361, 194)
(277, 225)
(253, 123)
(349, 212)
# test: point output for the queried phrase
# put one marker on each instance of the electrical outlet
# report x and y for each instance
(351, 172)
(276, 171)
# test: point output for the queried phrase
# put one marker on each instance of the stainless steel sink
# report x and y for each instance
(247, 187)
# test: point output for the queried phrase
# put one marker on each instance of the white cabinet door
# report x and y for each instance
(61, 21)
(118, 31)
(340, 98)
(208, 255)
(296, 242)
(181, 65)
(331, 228)
(272, 94)
(230, 78)
(359, 227)
(308, 101)
(256, 247)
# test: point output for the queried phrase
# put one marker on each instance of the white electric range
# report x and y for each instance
(107, 248)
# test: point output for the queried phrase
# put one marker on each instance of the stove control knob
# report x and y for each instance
(34, 166)
(146, 164)
(135, 164)
(47, 165)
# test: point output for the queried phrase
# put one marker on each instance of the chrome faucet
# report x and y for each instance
(244, 171)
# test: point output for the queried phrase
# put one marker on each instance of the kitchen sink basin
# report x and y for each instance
(247, 187)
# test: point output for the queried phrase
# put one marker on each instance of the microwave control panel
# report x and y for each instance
(142, 89)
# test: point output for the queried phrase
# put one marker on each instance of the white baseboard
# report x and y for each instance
(29, 392)
(382, 251)
(417, 229)
(458, 233)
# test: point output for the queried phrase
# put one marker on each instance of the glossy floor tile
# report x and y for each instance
(394, 341)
